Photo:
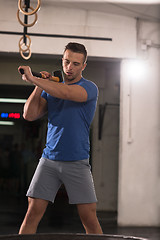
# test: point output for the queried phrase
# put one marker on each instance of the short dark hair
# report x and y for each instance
(78, 48)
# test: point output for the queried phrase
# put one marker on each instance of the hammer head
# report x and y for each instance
(59, 74)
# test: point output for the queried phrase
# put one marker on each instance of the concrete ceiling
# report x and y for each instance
(147, 10)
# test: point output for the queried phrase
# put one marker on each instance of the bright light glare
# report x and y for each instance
(136, 69)
(6, 123)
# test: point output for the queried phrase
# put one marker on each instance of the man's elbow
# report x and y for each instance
(28, 117)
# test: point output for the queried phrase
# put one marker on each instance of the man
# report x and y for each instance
(71, 106)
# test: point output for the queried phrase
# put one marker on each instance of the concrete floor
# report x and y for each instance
(64, 219)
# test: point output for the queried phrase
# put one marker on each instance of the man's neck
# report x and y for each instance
(72, 81)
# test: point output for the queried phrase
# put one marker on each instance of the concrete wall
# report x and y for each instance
(139, 175)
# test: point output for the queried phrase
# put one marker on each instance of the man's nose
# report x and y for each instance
(70, 66)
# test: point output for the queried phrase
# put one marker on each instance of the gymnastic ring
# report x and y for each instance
(22, 49)
(28, 13)
(22, 44)
(26, 57)
(28, 45)
(24, 24)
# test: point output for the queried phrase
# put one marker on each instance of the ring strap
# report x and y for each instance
(28, 13)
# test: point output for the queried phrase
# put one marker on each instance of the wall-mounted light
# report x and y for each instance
(8, 123)
(12, 100)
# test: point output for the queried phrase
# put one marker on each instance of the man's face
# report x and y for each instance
(73, 65)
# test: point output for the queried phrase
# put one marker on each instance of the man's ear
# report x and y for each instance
(84, 66)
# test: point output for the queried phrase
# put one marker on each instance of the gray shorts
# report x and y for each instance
(75, 175)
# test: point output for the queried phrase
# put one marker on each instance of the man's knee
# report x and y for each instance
(87, 211)
(36, 209)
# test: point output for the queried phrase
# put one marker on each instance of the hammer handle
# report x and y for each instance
(41, 75)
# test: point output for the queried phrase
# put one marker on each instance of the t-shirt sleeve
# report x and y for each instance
(44, 95)
(91, 89)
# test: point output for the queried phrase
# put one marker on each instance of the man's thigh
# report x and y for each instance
(37, 206)
(78, 181)
(45, 182)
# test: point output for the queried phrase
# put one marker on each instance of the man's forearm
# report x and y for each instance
(32, 107)
(58, 90)
(61, 90)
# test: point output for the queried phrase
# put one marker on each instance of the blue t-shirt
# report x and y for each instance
(69, 124)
